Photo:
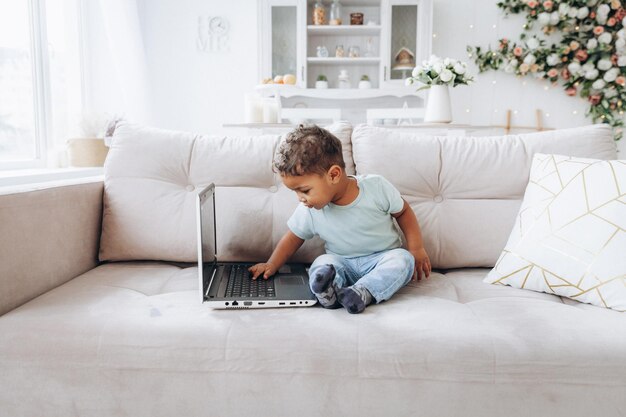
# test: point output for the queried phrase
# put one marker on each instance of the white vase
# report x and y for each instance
(438, 109)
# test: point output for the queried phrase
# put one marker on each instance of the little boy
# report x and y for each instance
(364, 260)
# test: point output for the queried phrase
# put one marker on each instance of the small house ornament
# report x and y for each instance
(404, 60)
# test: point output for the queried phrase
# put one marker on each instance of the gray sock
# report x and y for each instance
(323, 288)
(354, 298)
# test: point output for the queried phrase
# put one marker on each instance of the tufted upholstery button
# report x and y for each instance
(437, 199)
(273, 189)
(190, 188)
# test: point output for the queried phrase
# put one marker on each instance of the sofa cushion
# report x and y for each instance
(569, 237)
(152, 177)
(466, 191)
(133, 336)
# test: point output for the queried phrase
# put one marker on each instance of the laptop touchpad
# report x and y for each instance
(290, 280)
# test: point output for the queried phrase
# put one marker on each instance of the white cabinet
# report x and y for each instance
(408, 30)
(282, 39)
(289, 42)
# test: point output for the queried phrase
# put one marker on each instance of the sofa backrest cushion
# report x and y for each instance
(466, 191)
(152, 177)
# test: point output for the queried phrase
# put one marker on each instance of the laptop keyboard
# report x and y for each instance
(241, 284)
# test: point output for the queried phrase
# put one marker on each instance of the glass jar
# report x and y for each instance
(354, 52)
(319, 13)
(322, 52)
(339, 51)
(356, 18)
(369, 48)
(335, 13)
(343, 79)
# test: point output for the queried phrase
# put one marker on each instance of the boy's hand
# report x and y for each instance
(265, 269)
(422, 264)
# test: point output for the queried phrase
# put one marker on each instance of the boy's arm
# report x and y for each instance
(287, 246)
(410, 227)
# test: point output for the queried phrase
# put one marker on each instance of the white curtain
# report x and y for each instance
(116, 76)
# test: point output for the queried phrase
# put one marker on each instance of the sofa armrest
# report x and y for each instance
(48, 235)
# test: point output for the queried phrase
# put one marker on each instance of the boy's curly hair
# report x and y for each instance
(308, 150)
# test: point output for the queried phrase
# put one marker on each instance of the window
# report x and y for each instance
(40, 88)
(17, 84)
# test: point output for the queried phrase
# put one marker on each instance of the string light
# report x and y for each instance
(467, 110)
(494, 81)
(546, 88)
(471, 26)
(575, 112)
(434, 35)
(514, 111)
(494, 26)
(495, 111)
(547, 114)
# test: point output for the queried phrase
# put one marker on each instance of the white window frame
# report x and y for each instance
(41, 88)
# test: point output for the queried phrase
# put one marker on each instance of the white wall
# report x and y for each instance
(193, 90)
(199, 91)
(480, 23)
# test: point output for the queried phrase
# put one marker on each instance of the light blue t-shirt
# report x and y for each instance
(361, 228)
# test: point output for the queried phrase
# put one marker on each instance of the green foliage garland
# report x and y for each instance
(589, 59)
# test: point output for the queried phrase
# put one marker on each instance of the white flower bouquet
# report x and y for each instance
(438, 71)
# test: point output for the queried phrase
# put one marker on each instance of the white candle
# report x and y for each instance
(253, 108)
(270, 111)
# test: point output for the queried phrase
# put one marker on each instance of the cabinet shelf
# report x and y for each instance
(288, 91)
(343, 61)
(344, 30)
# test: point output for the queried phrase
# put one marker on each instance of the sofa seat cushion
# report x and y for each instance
(452, 327)
(466, 191)
(131, 339)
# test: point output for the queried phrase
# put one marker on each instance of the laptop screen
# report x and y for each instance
(207, 224)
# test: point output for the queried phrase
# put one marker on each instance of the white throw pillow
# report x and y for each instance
(569, 236)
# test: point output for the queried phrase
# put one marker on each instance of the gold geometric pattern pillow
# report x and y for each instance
(569, 236)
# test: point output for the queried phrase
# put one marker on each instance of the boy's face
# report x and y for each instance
(314, 190)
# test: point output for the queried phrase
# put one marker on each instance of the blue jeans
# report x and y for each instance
(382, 273)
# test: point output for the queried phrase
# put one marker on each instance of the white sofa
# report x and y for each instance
(98, 292)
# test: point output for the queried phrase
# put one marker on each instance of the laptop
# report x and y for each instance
(229, 285)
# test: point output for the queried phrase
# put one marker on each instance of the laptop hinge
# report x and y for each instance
(208, 287)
